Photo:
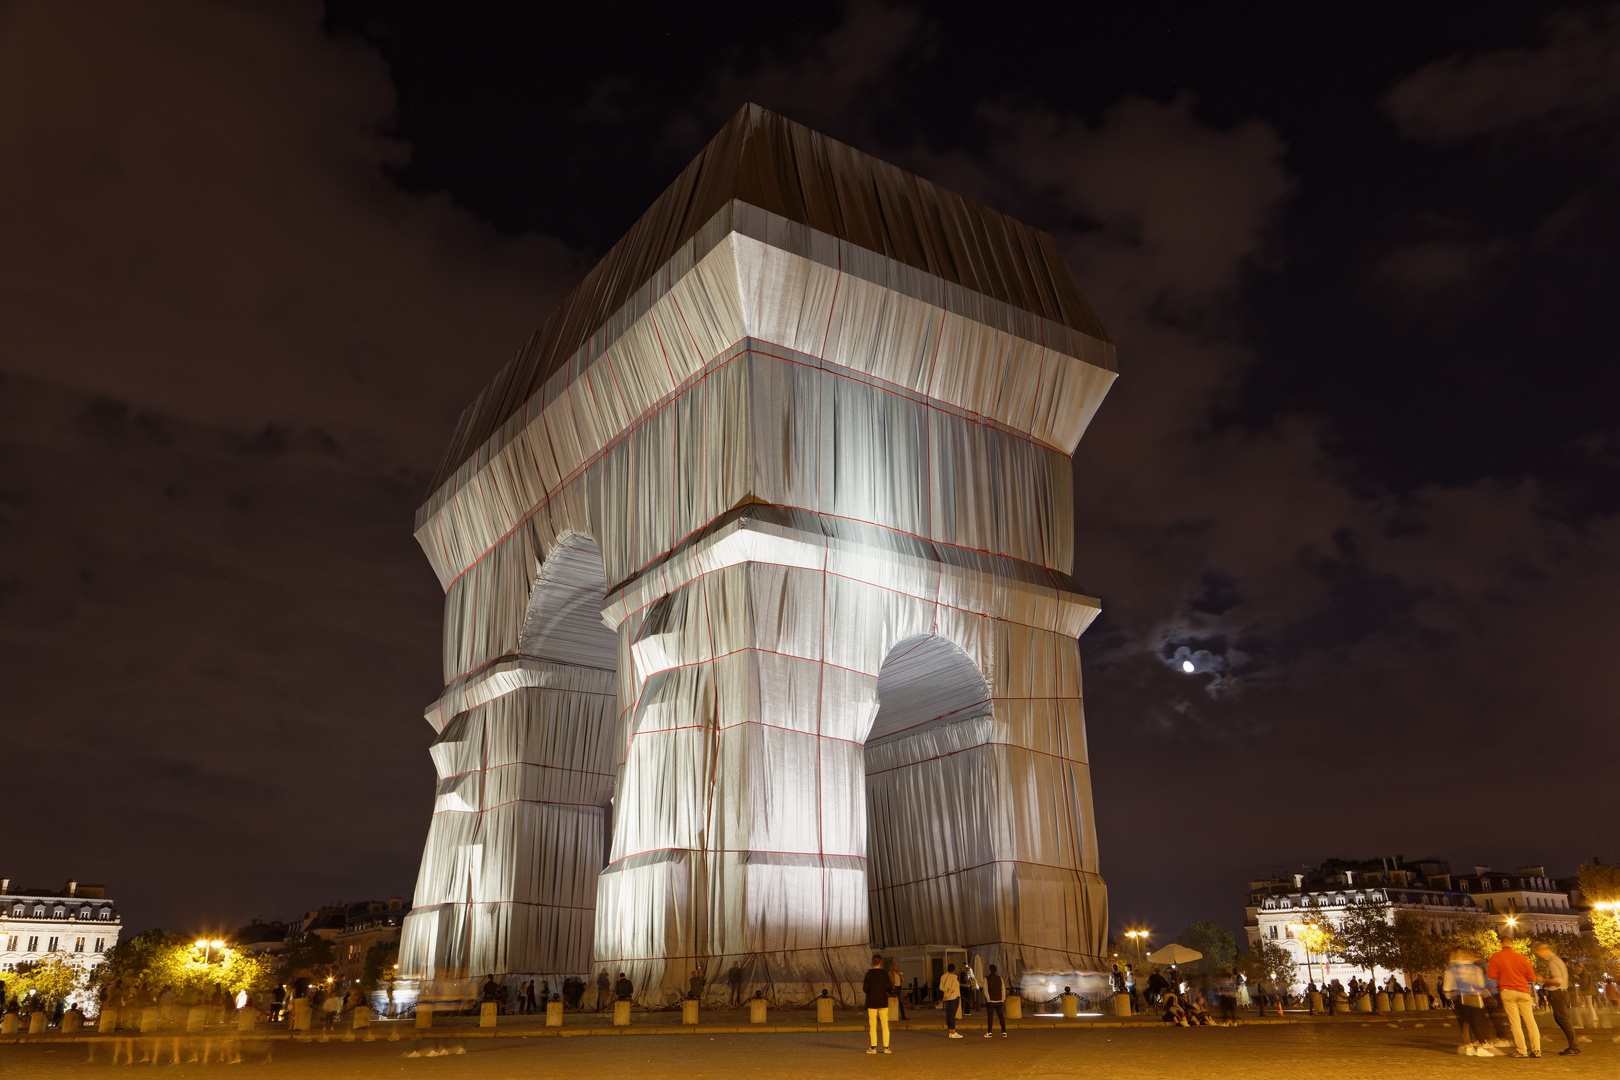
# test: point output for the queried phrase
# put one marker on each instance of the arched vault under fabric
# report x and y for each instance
(760, 636)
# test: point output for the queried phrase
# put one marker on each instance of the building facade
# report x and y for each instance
(1522, 901)
(1279, 905)
(76, 921)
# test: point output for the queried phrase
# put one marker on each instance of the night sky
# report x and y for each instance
(1362, 464)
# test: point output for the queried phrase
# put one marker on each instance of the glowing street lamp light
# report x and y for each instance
(208, 948)
(1140, 938)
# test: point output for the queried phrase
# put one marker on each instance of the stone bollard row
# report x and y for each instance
(824, 1007)
(689, 1011)
(486, 1014)
(1015, 1007)
(8, 1024)
(621, 1014)
(424, 1016)
(554, 1014)
(756, 1010)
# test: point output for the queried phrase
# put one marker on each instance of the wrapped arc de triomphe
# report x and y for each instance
(760, 642)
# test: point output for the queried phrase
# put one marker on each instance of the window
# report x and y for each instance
(53, 944)
(1484, 884)
(11, 943)
(1273, 931)
(59, 912)
(17, 911)
(1270, 905)
(1490, 905)
(84, 912)
(33, 943)
(39, 912)
(101, 944)
(78, 945)
(106, 913)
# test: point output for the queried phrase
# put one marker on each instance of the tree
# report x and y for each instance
(305, 954)
(380, 963)
(1316, 935)
(1417, 947)
(1215, 942)
(1268, 962)
(1477, 934)
(55, 978)
(1600, 885)
(1365, 938)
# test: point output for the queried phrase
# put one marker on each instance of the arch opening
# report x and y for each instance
(563, 622)
(925, 758)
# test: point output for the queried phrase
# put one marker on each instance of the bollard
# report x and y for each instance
(621, 1014)
(1015, 1007)
(150, 1019)
(1380, 1002)
(424, 1015)
(8, 1024)
(1122, 1004)
(36, 1023)
(689, 1011)
(824, 1010)
(1397, 1003)
(894, 1010)
(362, 1019)
(554, 1014)
(195, 1018)
(72, 1021)
(1420, 1002)
(1071, 1005)
(1316, 1003)
(756, 1010)
(107, 1023)
(245, 1019)
(486, 1014)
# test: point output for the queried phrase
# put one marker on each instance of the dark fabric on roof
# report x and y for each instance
(771, 162)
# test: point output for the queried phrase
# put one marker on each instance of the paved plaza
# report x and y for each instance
(1347, 1048)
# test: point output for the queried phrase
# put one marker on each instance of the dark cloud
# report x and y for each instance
(231, 354)
(1571, 79)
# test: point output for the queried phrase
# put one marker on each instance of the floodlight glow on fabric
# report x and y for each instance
(756, 564)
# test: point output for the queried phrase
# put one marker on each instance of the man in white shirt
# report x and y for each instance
(950, 989)
(1556, 984)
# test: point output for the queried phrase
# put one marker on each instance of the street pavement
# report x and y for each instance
(1352, 1048)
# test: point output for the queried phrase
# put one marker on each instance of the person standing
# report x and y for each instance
(876, 987)
(950, 992)
(1556, 985)
(1130, 988)
(897, 984)
(995, 1002)
(604, 990)
(1514, 976)
(694, 985)
(737, 979)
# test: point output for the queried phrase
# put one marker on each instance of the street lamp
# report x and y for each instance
(1140, 938)
(208, 948)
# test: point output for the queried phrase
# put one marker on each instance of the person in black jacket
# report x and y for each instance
(995, 1002)
(623, 988)
(876, 986)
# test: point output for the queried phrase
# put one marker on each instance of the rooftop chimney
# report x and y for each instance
(1481, 869)
(5, 885)
(72, 887)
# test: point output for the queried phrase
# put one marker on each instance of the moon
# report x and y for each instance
(1187, 666)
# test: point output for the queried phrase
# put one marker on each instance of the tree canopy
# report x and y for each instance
(1215, 942)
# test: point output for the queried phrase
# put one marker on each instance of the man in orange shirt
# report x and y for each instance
(1514, 977)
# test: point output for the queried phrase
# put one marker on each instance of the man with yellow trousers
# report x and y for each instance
(876, 987)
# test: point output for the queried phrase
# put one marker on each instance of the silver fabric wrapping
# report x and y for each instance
(760, 644)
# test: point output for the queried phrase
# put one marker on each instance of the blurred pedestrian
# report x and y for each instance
(950, 992)
(897, 983)
(738, 980)
(995, 1002)
(1556, 985)
(604, 989)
